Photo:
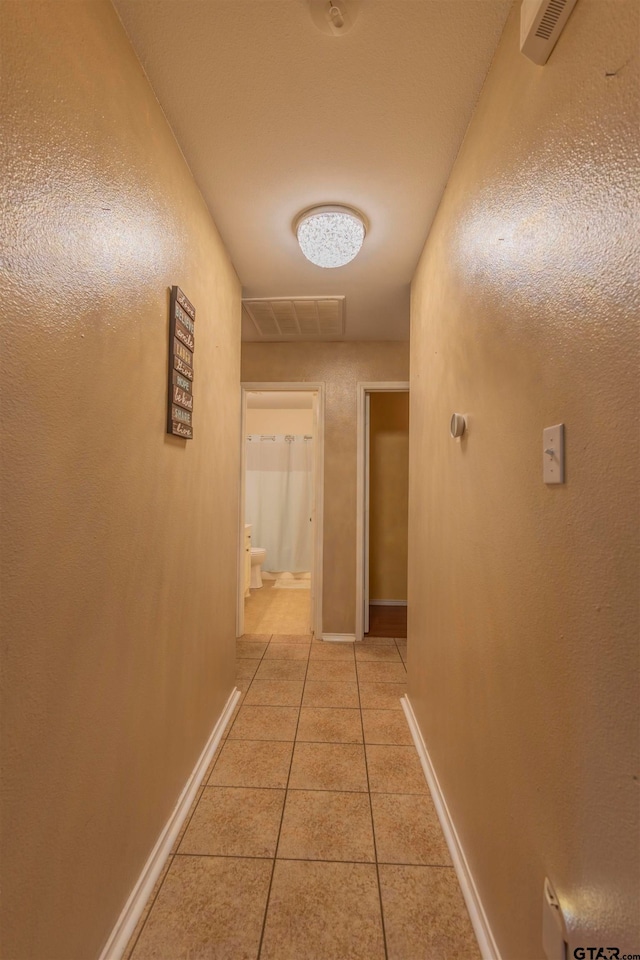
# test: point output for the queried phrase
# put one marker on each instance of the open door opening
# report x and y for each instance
(382, 505)
(279, 563)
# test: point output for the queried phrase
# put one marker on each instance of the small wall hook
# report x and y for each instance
(458, 425)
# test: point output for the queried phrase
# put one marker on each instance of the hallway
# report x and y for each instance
(177, 149)
(315, 836)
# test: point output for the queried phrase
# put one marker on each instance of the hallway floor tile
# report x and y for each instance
(314, 836)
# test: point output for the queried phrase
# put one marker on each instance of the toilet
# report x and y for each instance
(257, 559)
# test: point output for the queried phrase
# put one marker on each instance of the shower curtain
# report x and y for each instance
(279, 490)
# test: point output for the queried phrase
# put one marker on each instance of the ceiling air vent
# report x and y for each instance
(541, 23)
(299, 318)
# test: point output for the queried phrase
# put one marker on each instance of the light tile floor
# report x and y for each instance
(314, 836)
(271, 610)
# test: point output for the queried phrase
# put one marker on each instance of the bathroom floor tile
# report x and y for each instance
(253, 763)
(381, 696)
(370, 671)
(326, 826)
(274, 693)
(329, 725)
(386, 726)
(377, 652)
(395, 769)
(440, 932)
(408, 831)
(265, 723)
(329, 693)
(287, 651)
(235, 822)
(250, 649)
(377, 641)
(328, 766)
(281, 669)
(332, 670)
(208, 907)
(324, 650)
(323, 911)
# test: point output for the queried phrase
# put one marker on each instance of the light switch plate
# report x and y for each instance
(553, 454)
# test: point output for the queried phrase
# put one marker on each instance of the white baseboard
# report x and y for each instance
(339, 637)
(126, 923)
(479, 921)
(387, 603)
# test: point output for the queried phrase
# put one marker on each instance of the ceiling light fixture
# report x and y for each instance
(330, 235)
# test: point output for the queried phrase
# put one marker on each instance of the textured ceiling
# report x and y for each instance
(272, 116)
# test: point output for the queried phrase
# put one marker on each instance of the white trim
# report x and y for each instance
(387, 603)
(479, 920)
(364, 387)
(317, 387)
(339, 637)
(126, 922)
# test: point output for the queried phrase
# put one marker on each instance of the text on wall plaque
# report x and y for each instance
(182, 334)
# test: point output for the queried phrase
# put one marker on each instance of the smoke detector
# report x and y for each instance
(334, 17)
(541, 23)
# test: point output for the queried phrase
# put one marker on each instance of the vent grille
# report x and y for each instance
(550, 18)
(299, 318)
(541, 23)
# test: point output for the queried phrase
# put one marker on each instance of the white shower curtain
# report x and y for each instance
(279, 490)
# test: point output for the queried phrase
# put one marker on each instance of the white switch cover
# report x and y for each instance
(553, 454)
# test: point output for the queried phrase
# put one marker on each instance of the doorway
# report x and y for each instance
(280, 537)
(382, 497)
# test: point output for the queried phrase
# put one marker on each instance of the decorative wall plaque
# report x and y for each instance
(181, 346)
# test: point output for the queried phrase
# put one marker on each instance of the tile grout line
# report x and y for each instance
(284, 804)
(370, 863)
(373, 829)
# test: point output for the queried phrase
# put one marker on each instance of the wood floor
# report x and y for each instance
(387, 621)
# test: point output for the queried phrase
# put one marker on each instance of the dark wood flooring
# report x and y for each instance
(387, 621)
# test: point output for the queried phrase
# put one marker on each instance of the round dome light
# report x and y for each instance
(330, 236)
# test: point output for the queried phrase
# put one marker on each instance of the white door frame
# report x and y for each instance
(318, 498)
(365, 388)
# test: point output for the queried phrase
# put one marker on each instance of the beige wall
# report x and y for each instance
(523, 598)
(264, 420)
(119, 543)
(388, 496)
(340, 366)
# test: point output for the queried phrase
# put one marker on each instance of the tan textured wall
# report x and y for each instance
(262, 420)
(388, 496)
(523, 598)
(340, 366)
(118, 542)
